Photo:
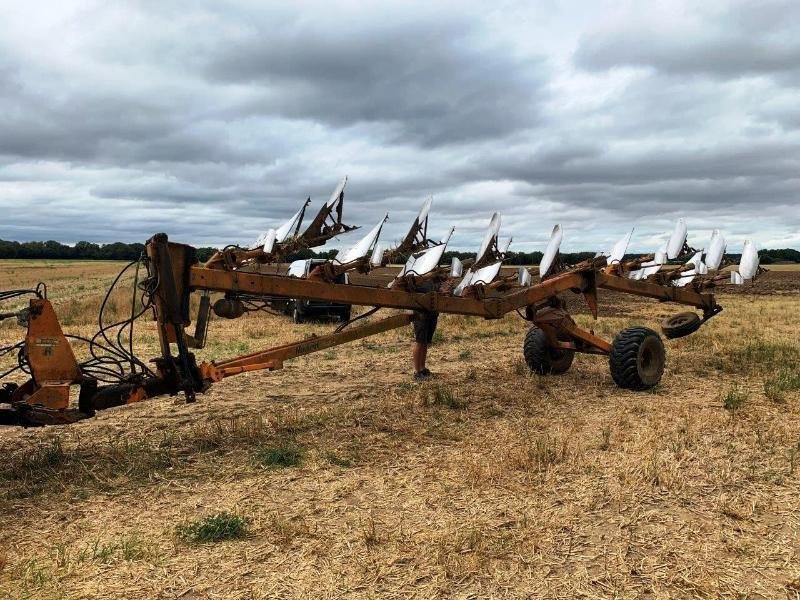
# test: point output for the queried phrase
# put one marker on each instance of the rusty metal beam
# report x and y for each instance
(491, 305)
(653, 290)
(273, 358)
(575, 280)
(555, 321)
(307, 289)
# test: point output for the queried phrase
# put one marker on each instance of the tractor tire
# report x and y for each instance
(681, 325)
(298, 316)
(543, 359)
(637, 358)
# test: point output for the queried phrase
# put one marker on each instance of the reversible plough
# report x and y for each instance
(169, 274)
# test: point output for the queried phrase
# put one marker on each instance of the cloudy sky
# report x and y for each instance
(214, 121)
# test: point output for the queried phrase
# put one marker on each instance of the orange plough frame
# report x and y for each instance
(175, 275)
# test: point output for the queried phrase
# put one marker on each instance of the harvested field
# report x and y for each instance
(338, 476)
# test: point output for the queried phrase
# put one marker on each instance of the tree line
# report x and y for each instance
(80, 251)
(122, 251)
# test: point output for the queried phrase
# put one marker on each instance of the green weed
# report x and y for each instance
(285, 454)
(734, 398)
(214, 528)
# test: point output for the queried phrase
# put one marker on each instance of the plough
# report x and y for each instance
(168, 275)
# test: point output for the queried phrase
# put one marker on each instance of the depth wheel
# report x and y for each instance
(680, 325)
(637, 358)
(543, 359)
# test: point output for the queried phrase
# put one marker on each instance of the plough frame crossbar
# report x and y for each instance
(492, 305)
(174, 275)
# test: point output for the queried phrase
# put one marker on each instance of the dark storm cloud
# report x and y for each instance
(429, 79)
(763, 159)
(108, 128)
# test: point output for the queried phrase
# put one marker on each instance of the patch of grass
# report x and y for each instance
(214, 528)
(405, 388)
(369, 532)
(606, 438)
(35, 575)
(540, 453)
(140, 458)
(776, 387)
(285, 531)
(734, 398)
(652, 470)
(337, 460)
(283, 455)
(289, 424)
(465, 354)
(102, 552)
(441, 395)
(758, 357)
(521, 368)
(227, 433)
(48, 466)
(44, 459)
(134, 548)
(438, 337)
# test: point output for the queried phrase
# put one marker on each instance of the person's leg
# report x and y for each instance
(419, 351)
(419, 354)
(431, 320)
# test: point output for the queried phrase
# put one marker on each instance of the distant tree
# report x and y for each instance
(121, 251)
(204, 253)
(86, 250)
(769, 257)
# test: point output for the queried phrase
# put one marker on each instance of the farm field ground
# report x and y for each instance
(350, 480)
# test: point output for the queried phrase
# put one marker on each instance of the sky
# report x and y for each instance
(214, 121)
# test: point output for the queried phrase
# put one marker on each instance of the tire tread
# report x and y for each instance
(624, 356)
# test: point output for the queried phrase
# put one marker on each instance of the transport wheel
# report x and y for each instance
(637, 358)
(543, 359)
(681, 325)
(297, 315)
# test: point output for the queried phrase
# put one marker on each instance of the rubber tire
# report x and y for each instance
(297, 315)
(543, 359)
(637, 358)
(681, 325)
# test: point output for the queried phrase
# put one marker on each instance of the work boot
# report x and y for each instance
(423, 375)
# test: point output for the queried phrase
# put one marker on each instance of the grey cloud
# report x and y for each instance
(213, 122)
(746, 39)
(429, 79)
(670, 163)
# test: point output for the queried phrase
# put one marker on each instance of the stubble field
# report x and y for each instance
(339, 476)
